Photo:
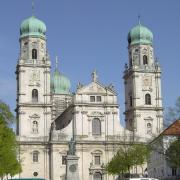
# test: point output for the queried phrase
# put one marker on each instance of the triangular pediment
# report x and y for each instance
(96, 114)
(35, 116)
(148, 118)
(95, 88)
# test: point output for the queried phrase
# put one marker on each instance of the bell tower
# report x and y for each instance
(33, 80)
(33, 99)
(142, 80)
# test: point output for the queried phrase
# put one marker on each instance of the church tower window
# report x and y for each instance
(145, 60)
(35, 156)
(34, 54)
(35, 127)
(148, 99)
(34, 95)
(96, 126)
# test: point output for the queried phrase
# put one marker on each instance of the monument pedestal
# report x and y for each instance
(72, 171)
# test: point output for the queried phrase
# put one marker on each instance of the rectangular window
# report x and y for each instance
(97, 160)
(92, 98)
(63, 160)
(35, 156)
(96, 126)
(98, 98)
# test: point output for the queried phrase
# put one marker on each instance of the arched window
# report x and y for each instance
(145, 60)
(34, 54)
(35, 127)
(34, 95)
(149, 128)
(35, 156)
(97, 176)
(148, 99)
(96, 126)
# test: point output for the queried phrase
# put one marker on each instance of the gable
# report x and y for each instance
(95, 88)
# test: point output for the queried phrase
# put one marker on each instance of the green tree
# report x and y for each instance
(9, 164)
(173, 154)
(127, 157)
(142, 152)
(5, 113)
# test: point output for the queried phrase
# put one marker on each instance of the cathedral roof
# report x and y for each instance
(140, 35)
(33, 27)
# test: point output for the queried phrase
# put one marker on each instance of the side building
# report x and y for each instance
(158, 165)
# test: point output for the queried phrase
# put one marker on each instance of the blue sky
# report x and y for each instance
(92, 34)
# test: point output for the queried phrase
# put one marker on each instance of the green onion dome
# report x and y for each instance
(32, 27)
(60, 84)
(140, 35)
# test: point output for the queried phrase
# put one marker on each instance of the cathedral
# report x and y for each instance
(49, 115)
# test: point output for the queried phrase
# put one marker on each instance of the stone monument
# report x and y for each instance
(72, 172)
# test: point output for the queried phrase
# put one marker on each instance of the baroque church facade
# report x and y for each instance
(49, 115)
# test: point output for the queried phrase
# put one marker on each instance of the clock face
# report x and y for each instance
(147, 81)
(72, 168)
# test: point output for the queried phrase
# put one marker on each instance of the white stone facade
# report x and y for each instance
(91, 115)
(158, 166)
(143, 98)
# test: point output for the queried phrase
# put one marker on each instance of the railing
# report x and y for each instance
(32, 139)
(152, 67)
(62, 137)
(34, 61)
(105, 102)
(107, 138)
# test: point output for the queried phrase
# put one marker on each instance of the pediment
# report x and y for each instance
(96, 114)
(148, 118)
(34, 116)
(96, 152)
(94, 88)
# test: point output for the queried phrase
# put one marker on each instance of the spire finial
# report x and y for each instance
(139, 19)
(33, 7)
(94, 76)
(57, 62)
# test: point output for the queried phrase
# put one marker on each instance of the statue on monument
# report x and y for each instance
(72, 147)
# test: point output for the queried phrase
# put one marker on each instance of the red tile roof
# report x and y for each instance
(173, 129)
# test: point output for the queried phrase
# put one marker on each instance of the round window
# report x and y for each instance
(35, 173)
